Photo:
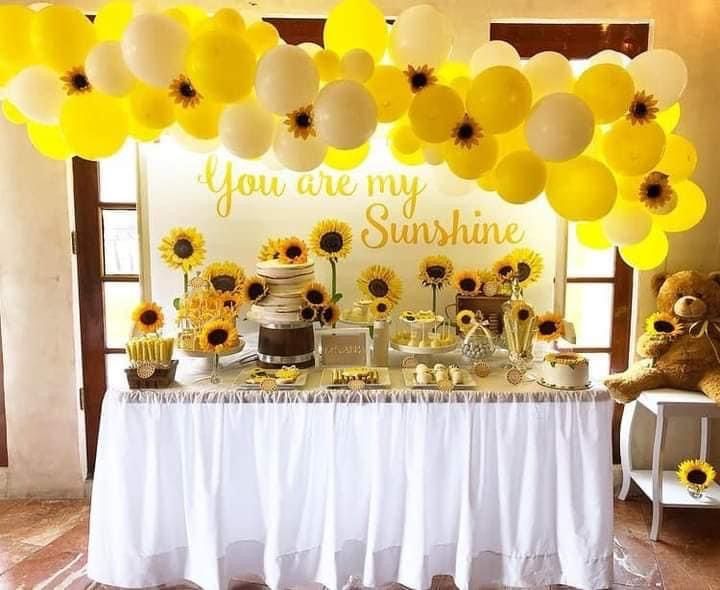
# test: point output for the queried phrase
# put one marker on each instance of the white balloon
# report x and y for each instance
(660, 72)
(421, 35)
(548, 72)
(434, 153)
(106, 69)
(345, 114)
(559, 127)
(494, 53)
(246, 129)
(193, 144)
(450, 185)
(310, 48)
(297, 153)
(627, 223)
(286, 79)
(358, 65)
(154, 48)
(608, 56)
(38, 93)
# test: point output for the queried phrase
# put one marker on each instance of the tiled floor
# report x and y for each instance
(43, 545)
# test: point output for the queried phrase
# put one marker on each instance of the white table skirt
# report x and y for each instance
(493, 488)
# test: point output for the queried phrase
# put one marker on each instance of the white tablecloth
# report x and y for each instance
(510, 486)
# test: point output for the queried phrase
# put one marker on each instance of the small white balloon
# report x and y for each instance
(310, 48)
(421, 35)
(286, 79)
(106, 69)
(345, 114)
(559, 127)
(246, 129)
(609, 56)
(38, 93)
(358, 65)
(660, 72)
(296, 153)
(450, 185)
(548, 72)
(494, 53)
(627, 223)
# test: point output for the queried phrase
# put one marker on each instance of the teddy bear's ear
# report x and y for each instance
(715, 276)
(658, 281)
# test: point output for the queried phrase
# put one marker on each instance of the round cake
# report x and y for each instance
(565, 370)
(285, 286)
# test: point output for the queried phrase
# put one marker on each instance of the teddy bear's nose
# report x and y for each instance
(688, 299)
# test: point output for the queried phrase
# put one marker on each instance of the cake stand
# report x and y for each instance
(214, 357)
(423, 331)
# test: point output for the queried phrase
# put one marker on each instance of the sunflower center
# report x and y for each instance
(419, 80)
(663, 326)
(505, 271)
(382, 307)
(79, 81)
(327, 314)
(523, 314)
(229, 303)
(523, 271)
(654, 191)
(639, 109)
(293, 252)
(546, 328)
(697, 477)
(378, 288)
(436, 271)
(149, 317)
(303, 120)
(218, 336)
(255, 290)
(187, 90)
(183, 248)
(466, 319)
(307, 313)
(223, 283)
(331, 242)
(465, 131)
(468, 284)
(314, 297)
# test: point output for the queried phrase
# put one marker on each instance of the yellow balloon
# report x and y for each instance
(112, 18)
(403, 139)
(434, 112)
(49, 141)
(356, 24)
(261, 36)
(12, 113)
(389, 87)
(151, 107)
(669, 118)
(229, 18)
(512, 141)
(142, 133)
(521, 177)
(200, 121)
(451, 70)
(179, 17)
(16, 49)
(690, 209)
(327, 63)
(221, 65)
(649, 253)
(488, 181)
(94, 125)
(595, 148)
(582, 189)
(346, 159)
(471, 163)
(412, 159)
(499, 99)
(194, 15)
(461, 85)
(629, 187)
(607, 89)
(62, 37)
(633, 149)
(591, 235)
(680, 158)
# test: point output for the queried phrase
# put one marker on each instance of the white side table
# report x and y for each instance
(662, 487)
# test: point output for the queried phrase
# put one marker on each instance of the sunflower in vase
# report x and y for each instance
(696, 475)
(183, 248)
(378, 281)
(331, 239)
(435, 272)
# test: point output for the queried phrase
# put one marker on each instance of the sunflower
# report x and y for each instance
(521, 311)
(465, 319)
(331, 238)
(148, 317)
(380, 281)
(329, 315)
(467, 282)
(225, 277)
(380, 308)
(269, 250)
(254, 289)
(663, 323)
(218, 335)
(309, 313)
(467, 133)
(293, 251)
(657, 194)
(529, 265)
(183, 92)
(316, 294)
(697, 473)
(550, 327)
(435, 271)
(76, 81)
(643, 108)
(183, 247)
(420, 77)
(300, 122)
(232, 300)
(505, 269)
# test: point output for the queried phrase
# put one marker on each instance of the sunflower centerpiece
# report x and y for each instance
(696, 475)
(331, 239)
(183, 248)
(435, 272)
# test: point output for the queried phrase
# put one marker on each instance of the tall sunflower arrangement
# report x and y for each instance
(331, 239)
(183, 248)
(435, 272)
(378, 281)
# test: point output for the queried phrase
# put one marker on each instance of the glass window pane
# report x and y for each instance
(120, 242)
(118, 176)
(586, 262)
(115, 365)
(599, 365)
(120, 300)
(589, 307)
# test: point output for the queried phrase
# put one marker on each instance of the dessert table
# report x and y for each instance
(508, 485)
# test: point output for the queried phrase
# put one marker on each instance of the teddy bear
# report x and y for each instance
(681, 345)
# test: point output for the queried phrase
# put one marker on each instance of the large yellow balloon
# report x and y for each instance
(690, 209)
(607, 89)
(434, 112)
(412, 159)
(471, 163)
(194, 15)
(451, 70)
(591, 235)
(629, 187)
(327, 63)
(648, 254)
(356, 24)
(142, 133)
(403, 139)
(521, 177)
(112, 18)
(488, 181)
(200, 121)
(669, 118)
(261, 36)
(346, 159)
(499, 99)
(16, 49)
(680, 158)
(12, 113)
(95, 126)
(49, 141)
(633, 149)
(512, 141)
(62, 37)
(221, 65)
(151, 107)
(389, 87)
(582, 189)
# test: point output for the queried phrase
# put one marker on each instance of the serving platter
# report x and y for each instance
(468, 381)
(241, 380)
(326, 379)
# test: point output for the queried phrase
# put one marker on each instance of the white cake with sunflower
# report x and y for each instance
(565, 370)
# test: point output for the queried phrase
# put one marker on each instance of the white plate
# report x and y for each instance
(423, 350)
(468, 381)
(559, 388)
(241, 383)
(326, 380)
(203, 354)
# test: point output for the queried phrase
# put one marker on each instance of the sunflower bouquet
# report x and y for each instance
(318, 305)
(472, 283)
(519, 269)
(288, 250)
(435, 272)
(550, 327)
(331, 239)
(183, 248)
(696, 475)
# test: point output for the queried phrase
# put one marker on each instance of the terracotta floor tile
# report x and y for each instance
(37, 522)
(635, 564)
(13, 552)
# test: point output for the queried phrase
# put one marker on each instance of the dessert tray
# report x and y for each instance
(253, 378)
(348, 377)
(467, 381)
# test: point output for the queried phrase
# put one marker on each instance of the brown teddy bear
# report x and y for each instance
(681, 345)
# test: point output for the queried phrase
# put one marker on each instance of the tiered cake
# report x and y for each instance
(285, 285)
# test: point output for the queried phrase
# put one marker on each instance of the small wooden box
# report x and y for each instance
(491, 308)
(160, 379)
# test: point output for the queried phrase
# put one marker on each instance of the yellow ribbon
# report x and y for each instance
(702, 328)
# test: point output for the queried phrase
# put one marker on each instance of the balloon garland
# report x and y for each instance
(600, 145)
